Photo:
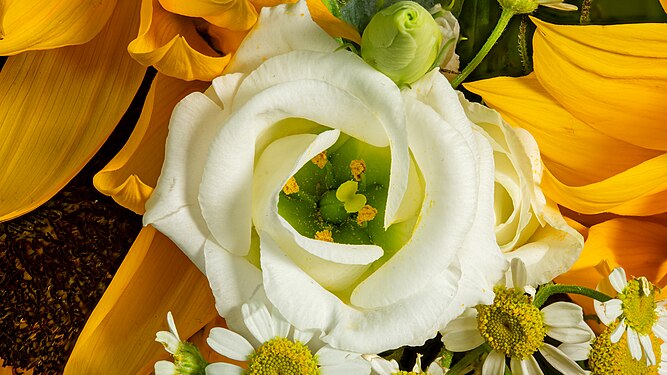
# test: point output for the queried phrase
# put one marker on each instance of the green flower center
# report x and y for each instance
(188, 360)
(512, 324)
(341, 195)
(280, 356)
(639, 306)
(607, 358)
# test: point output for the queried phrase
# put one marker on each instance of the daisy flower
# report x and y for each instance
(277, 354)
(382, 366)
(187, 358)
(514, 327)
(641, 316)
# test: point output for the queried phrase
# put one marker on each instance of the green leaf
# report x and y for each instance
(358, 13)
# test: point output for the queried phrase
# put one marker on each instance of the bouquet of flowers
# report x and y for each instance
(357, 187)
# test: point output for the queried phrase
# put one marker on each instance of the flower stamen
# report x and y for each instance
(282, 356)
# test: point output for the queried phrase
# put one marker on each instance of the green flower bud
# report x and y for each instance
(401, 41)
(188, 360)
(520, 6)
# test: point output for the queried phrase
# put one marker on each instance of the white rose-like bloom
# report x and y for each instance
(231, 150)
(528, 226)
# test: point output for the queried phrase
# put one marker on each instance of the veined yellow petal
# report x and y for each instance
(614, 78)
(664, 4)
(586, 170)
(171, 43)
(57, 109)
(332, 25)
(230, 14)
(154, 278)
(43, 24)
(130, 176)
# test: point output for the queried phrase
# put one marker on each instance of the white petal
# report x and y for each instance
(519, 273)
(462, 334)
(646, 343)
(258, 320)
(562, 314)
(608, 311)
(336, 362)
(165, 368)
(527, 366)
(222, 368)
(230, 344)
(303, 336)
(618, 279)
(169, 341)
(172, 325)
(383, 367)
(560, 361)
(278, 30)
(633, 344)
(660, 331)
(358, 366)
(173, 207)
(572, 334)
(280, 326)
(576, 352)
(494, 363)
(434, 369)
(617, 333)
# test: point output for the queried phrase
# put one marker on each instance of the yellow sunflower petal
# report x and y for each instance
(154, 278)
(44, 24)
(586, 170)
(332, 25)
(636, 245)
(230, 14)
(130, 176)
(171, 43)
(58, 107)
(664, 4)
(614, 78)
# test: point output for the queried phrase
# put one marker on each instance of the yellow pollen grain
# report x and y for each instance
(367, 213)
(291, 186)
(357, 167)
(320, 159)
(324, 235)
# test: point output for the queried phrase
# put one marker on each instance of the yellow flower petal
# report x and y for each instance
(612, 77)
(172, 44)
(130, 176)
(57, 109)
(154, 278)
(664, 5)
(230, 14)
(586, 170)
(332, 25)
(44, 24)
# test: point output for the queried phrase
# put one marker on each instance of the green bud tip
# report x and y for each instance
(401, 41)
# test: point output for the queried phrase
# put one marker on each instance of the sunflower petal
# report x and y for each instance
(580, 173)
(117, 336)
(43, 24)
(57, 109)
(130, 176)
(172, 44)
(612, 77)
(230, 14)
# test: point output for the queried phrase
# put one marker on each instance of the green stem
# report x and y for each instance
(468, 359)
(548, 290)
(505, 18)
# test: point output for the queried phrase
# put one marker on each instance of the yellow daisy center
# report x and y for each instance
(512, 324)
(280, 356)
(639, 305)
(615, 359)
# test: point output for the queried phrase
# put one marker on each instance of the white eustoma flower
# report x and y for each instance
(527, 225)
(639, 313)
(513, 327)
(240, 191)
(382, 366)
(276, 352)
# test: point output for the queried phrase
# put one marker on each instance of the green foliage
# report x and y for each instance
(359, 12)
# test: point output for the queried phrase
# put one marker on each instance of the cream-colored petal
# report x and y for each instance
(27, 25)
(560, 361)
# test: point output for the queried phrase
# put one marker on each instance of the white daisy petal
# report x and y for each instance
(560, 361)
(660, 331)
(633, 344)
(519, 273)
(562, 314)
(381, 366)
(617, 333)
(646, 343)
(527, 366)
(165, 368)
(230, 344)
(608, 311)
(572, 334)
(221, 368)
(434, 369)
(169, 341)
(303, 336)
(172, 325)
(327, 356)
(258, 320)
(618, 279)
(494, 363)
(280, 326)
(577, 352)
(462, 334)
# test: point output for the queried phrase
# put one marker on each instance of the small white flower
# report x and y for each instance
(513, 327)
(382, 366)
(639, 314)
(187, 358)
(276, 351)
